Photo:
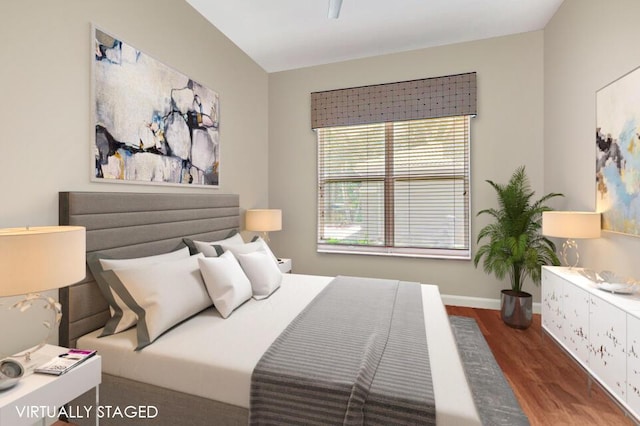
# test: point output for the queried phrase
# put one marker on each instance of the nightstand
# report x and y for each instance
(37, 394)
(285, 265)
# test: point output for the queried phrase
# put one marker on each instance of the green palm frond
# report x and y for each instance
(515, 246)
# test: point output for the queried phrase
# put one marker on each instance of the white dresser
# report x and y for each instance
(599, 329)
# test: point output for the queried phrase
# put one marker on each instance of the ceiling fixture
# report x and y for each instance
(334, 8)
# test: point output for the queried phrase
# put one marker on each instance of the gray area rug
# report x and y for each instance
(494, 398)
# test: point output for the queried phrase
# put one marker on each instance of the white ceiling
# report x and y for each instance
(287, 34)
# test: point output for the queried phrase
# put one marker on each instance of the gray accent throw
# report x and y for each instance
(357, 354)
(494, 398)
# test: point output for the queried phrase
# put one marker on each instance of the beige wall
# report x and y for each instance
(506, 134)
(45, 101)
(536, 108)
(587, 45)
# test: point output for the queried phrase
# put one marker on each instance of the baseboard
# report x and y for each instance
(479, 302)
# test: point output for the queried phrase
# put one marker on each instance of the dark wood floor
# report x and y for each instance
(551, 387)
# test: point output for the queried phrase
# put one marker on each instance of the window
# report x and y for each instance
(395, 188)
(393, 167)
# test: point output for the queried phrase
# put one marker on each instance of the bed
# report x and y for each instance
(200, 371)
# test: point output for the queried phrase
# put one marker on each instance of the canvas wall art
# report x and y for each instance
(153, 124)
(618, 154)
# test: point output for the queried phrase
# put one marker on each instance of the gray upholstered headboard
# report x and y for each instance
(129, 225)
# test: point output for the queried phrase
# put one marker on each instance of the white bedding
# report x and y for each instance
(214, 357)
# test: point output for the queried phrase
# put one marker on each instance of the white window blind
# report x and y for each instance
(395, 188)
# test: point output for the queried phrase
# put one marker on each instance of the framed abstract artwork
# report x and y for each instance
(618, 154)
(153, 124)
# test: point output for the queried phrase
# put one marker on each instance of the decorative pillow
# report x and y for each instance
(189, 243)
(122, 317)
(226, 283)
(213, 248)
(162, 295)
(194, 250)
(243, 248)
(264, 274)
(208, 249)
(266, 248)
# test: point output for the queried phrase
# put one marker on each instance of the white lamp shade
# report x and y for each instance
(571, 224)
(263, 220)
(41, 258)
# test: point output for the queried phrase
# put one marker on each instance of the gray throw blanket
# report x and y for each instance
(357, 354)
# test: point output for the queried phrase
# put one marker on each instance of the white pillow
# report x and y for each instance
(238, 249)
(234, 239)
(162, 295)
(206, 248)
(264, 274)
(122, 317)
(226, 283)
(115, 264)
(209, 248)
(266, 248)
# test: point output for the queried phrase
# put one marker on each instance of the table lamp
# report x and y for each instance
(35, 259)
(570, 225)
(264, 220)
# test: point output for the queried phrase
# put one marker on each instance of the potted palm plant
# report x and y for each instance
(515, 246)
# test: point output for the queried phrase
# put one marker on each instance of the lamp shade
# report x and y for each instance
(41, 258)
(571, 224)
(263, 220)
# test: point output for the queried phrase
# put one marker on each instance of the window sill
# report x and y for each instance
(396, 252)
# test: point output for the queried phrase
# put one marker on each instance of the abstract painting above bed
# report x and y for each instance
(153, 124)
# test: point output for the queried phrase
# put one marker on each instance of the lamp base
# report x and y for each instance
(566, 247)
(49, 303)
(13, 368)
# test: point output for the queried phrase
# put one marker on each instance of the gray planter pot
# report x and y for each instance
(516, 308)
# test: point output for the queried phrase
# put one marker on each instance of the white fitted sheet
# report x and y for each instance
(211, 357)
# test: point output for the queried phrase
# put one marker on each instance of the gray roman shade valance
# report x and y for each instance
(452, 95)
